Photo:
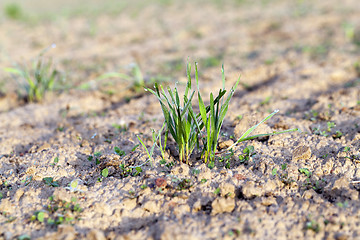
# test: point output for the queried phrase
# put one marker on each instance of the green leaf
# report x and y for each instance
(274, 172)
(105, 172)
(217, 191)
(119, 152)
(40, 216)
(305, 171)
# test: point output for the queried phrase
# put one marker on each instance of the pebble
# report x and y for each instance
(301, 152)
(95, 234)
(250, 190)
(221, 205)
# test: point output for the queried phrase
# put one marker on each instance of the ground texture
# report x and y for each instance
(68, 164)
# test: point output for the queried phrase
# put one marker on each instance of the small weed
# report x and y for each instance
(343, 204)
(135, 78)
(330, 125)
(38, 80)
(24, 237)
(27, 180)
(13, 11)
(8, 217)
(120, 127)
(312, 225)
(56, 160)
(203, 180)
(265, 101)
(188, 129)
(50, 182)
(184, 184)
(105, 172)
(217, 191)
(248, 152)
(338, 134)
(274, 172)
(73, 185)
(96, 157)
(305, 171)
(58, 212)
(119, 152)
(143, 186)
(346, 149)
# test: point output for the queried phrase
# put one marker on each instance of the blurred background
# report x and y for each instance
(103, 42)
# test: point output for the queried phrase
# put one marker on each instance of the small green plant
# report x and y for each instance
(135, 79)
(202, 130)
(247, 153)
(38, 80)
(305, 171)
(13, 11)
(50, 182)
(312, 225)
(57, 212)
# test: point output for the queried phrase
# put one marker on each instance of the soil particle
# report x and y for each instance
(301, 152)
(221, 205)
(95, 234)
(152, 206)
(251, 190)
(227, 189)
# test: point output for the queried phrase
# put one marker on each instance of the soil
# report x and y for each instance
(69, 165)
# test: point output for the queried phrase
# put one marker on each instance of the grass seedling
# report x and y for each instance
(212, 120)
(135, 79)
(246, 137)
(189, 129)
(37, 80)
(155, 140)
(179, 118)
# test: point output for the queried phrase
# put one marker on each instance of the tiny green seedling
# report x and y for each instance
(305, 171)
(119, 152)
(247, 153)
(217, 191)
(105, 172)
(50, 182)
(38, 80)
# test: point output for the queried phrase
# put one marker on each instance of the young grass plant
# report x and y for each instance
(189, 129)
(213, 117)
(180, 118)
(38, 80)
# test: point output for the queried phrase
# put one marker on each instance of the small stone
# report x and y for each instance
(341, 236)
(8, 235)
(161, 183)
(95, 234)
(44, 147)
(19, 193)
(238, 176)
(226, 144)
(221, 205)
(66, 232)
(250, 190)
(181, 209)
(301, 152)
(269, 187)
(196, 206)
(268, 201)
(103, 208)
(62, 194)
(227, 189)
(152, 207)
(182, 170)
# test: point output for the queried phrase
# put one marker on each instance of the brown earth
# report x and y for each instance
(301, 57)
